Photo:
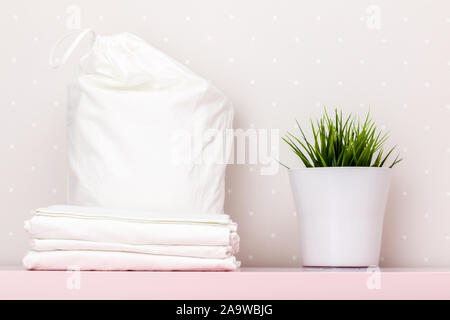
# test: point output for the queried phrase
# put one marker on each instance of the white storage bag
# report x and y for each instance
(144, 132)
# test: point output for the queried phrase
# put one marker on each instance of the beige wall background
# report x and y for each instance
(278, 61)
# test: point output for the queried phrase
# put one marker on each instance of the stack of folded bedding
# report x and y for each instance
(89, 238)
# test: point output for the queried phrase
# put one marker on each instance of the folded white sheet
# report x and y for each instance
(140, 233)
(131, 215)
(90, 238)
(217, 252)
(108, 261)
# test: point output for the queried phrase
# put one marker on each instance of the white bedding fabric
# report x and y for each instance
(121, 261)
(104, 230)
(70, 211)
(89, 238)
(216, 252)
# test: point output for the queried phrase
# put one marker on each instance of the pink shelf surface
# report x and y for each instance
(247, 283)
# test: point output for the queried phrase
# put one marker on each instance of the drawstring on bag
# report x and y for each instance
(56, 62)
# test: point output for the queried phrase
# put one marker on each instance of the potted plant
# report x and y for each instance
(341, 193)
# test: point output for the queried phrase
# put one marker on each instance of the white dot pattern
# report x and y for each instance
(277, 63)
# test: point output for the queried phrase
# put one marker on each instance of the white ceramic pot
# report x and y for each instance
(340, 211)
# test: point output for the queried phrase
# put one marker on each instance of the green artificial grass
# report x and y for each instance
(340, 142)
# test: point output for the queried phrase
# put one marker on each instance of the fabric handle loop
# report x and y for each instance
(56, 62)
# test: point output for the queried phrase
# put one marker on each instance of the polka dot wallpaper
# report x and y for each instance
(277, 61)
